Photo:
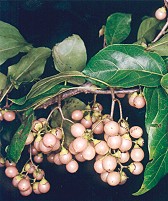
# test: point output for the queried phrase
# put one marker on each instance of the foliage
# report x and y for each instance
(116, 65)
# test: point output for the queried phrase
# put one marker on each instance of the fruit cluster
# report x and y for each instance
(114, 145)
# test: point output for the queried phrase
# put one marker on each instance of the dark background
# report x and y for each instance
(45, 23)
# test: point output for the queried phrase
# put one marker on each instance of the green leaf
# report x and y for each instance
(47, 83)
(148, 29)
(69, 106)
(164, 82)
(117, 28)
(126, 66)
(70, 54)
(30, 66)
(24, 103)
(3, 80)
(11, 42)
(18, 141)
(160, 46)
(157, 128)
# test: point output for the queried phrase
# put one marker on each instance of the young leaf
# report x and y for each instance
(30, 66)
(117, 28)
(47, 83)
(164, 82)
(148, 29)
(18, 141)
(3, 80)
(126, 66)
(11, 42)
(160, 46)
(157, 128)
(70, 54)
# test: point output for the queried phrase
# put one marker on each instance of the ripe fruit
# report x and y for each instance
(113, 178)
(72, 166)
(44, 186)
(24, 184)
(80, 144)
(65, 158)
(139, 101)
(114, 142)
(109, 163)
(9, 115)
(77, 129)
(29, 139)
(89, 153)
(49, 140)
(101, 148)
(126, 143)
(137, 154)
(131, 98)
(98, 167)
(136, 168)
(27, 192)
(97, 127)
(124, 157)
(77, 115)
(111, 128)
(11, 171)
(161, 13)
(136, 131)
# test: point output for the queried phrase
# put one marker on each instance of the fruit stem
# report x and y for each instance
(112, 103)
(162, 32)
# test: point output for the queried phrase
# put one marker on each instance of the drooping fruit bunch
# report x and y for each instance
(116, 147)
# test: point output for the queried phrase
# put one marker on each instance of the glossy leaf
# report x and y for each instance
(30, 66)
(11, 42)
(70, 54)
(24, 103)
(160, 46)
(18, 141)
(164, 82)
(126, 66)
(148, 29)
(3, 80)
(117, 28)
(69, 106)
(47, 83)
(157, 128)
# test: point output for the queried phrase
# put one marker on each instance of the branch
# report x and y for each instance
(162, 32)
(85, 88)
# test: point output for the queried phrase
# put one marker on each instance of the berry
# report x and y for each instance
(109, 163)
(44, 186)
(49, 140)
(77, 129)
(89, 153)
(137, 154)
(11, 171)
(24, 184)
(139, 101)
(72, 166)
(161, 13)
(136, 168)
(9, 115)
(136, 131)
(101, 148)
(111, 128)
(113, 178)
(77, 115)
(97, 127)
